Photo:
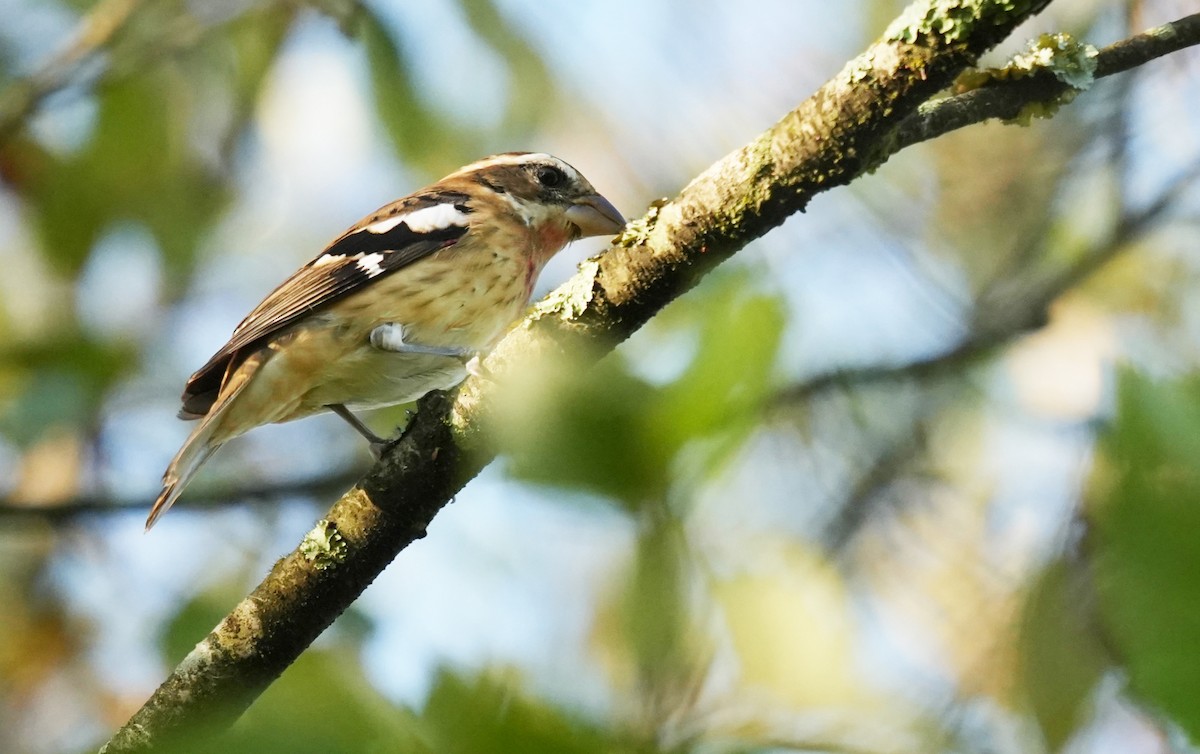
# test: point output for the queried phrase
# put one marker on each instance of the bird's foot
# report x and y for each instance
(475, 367)
(376, 444)
(390, 337)
(381, 446)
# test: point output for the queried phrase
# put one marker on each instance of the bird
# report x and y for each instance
(402, 303)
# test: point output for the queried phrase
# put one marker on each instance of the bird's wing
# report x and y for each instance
(386, 241)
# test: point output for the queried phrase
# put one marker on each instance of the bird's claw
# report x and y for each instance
(381, 446)
(474, 365)
(390, 337)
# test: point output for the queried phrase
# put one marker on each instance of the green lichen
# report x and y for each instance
(324, 546)
(1035, 110)
(1072, 62)
(951, 21)
(1164, 32)
(636, 232)
(572, 297)
(864, 67)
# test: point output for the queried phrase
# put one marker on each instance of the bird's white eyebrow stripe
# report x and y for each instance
(500, 160)
(424, 220)
(507, 159)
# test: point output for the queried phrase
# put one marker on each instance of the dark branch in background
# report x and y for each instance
(869, 491)
(22, 98)
(73, 508)
(979, 346)
(844, 130)
(98, 52)
(1015, 317)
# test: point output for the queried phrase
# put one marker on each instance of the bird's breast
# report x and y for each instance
(462, 298)
(459, 300)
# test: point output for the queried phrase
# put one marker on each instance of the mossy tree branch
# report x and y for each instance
(847, 128)
(1006, 99)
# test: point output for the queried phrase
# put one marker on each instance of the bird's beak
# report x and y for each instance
(594, 215)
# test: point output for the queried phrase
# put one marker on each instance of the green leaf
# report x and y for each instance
(655, 613)
(323, 703)
(492, 715)
(195, 620)
(256, 38)
(419, 135)
(531, 87)
(1146, 545)
(58, 381)
(233, 67)
(137, 166)
(71, 211)
(604, 429)
(1062, 657)
(721, 394)
(586, 428)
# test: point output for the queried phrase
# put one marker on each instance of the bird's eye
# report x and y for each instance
(550, 176)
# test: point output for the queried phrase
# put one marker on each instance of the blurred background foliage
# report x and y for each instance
(916, 472)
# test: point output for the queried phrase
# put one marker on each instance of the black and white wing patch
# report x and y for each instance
(386, 241)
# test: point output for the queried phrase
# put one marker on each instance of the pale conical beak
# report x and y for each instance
(594, 215)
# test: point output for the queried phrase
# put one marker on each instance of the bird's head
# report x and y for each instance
(551, 198)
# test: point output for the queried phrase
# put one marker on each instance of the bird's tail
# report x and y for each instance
(204, 440)
(195, 451)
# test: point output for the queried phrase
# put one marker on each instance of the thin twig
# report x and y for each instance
(89, 60)
(983, 342)
(68, 510)
(96, 32)
(1005, 99)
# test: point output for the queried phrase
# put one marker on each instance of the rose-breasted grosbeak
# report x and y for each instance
(395, 307)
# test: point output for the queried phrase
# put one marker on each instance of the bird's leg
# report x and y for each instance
(376, 443)
(390, 337)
